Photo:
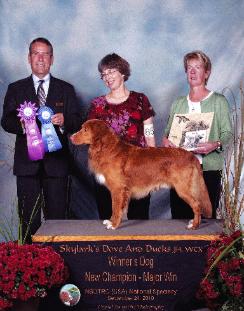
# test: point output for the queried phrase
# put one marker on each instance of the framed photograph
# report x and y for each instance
(190, 129)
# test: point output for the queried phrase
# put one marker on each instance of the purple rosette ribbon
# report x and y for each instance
(27, 114)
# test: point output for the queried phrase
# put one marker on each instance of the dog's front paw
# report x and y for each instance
(190, 225)
(106, 222)
(110, 226)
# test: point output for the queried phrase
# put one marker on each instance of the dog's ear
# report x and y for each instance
(101, 134)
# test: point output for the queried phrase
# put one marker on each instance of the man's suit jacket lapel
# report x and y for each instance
(30, 91)
(53, 92)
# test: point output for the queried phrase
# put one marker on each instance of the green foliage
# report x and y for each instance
(8, 223)
(222, 287)
(233, 197)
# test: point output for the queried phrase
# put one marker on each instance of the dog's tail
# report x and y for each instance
(202, 194)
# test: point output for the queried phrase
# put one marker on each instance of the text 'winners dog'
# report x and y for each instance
(132, 172)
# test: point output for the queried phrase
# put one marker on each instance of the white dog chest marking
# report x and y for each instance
(100, 179)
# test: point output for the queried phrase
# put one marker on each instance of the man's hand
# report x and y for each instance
(58, 119)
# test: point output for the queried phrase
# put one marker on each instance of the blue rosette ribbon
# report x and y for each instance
(49, 135)
(27, 114)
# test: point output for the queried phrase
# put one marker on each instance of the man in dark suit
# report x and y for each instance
(46, 178)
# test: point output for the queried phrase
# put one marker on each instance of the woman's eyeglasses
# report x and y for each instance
(108, 74)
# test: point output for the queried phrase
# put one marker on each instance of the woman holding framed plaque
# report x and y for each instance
(199, 122)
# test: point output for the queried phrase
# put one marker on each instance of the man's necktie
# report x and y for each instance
(41, 94)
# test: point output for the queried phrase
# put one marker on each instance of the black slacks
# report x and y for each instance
(40, 192)
(181, 210)
(137, 209)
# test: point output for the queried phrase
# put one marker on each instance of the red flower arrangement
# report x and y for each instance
(223, 286)
(28, 271)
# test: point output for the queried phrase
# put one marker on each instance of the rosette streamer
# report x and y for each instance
(49, 135)
(27, 114)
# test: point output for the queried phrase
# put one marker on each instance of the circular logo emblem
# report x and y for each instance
(28, 111)
(48, 131)
(45, 115)
(35, 142)
(69, 295)
(33, 132)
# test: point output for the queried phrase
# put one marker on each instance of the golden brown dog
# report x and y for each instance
(132, 172)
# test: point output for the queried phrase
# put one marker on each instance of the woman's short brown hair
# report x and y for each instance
(200, 56)
(112, 61)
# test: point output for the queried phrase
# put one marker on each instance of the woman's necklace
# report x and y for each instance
(117, 99)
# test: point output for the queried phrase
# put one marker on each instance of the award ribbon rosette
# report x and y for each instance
(27, 114)
(49, 135)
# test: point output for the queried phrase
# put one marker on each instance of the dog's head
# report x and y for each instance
(90, 131)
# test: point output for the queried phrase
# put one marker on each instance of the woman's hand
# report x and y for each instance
(167, 143)
(206, 148)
